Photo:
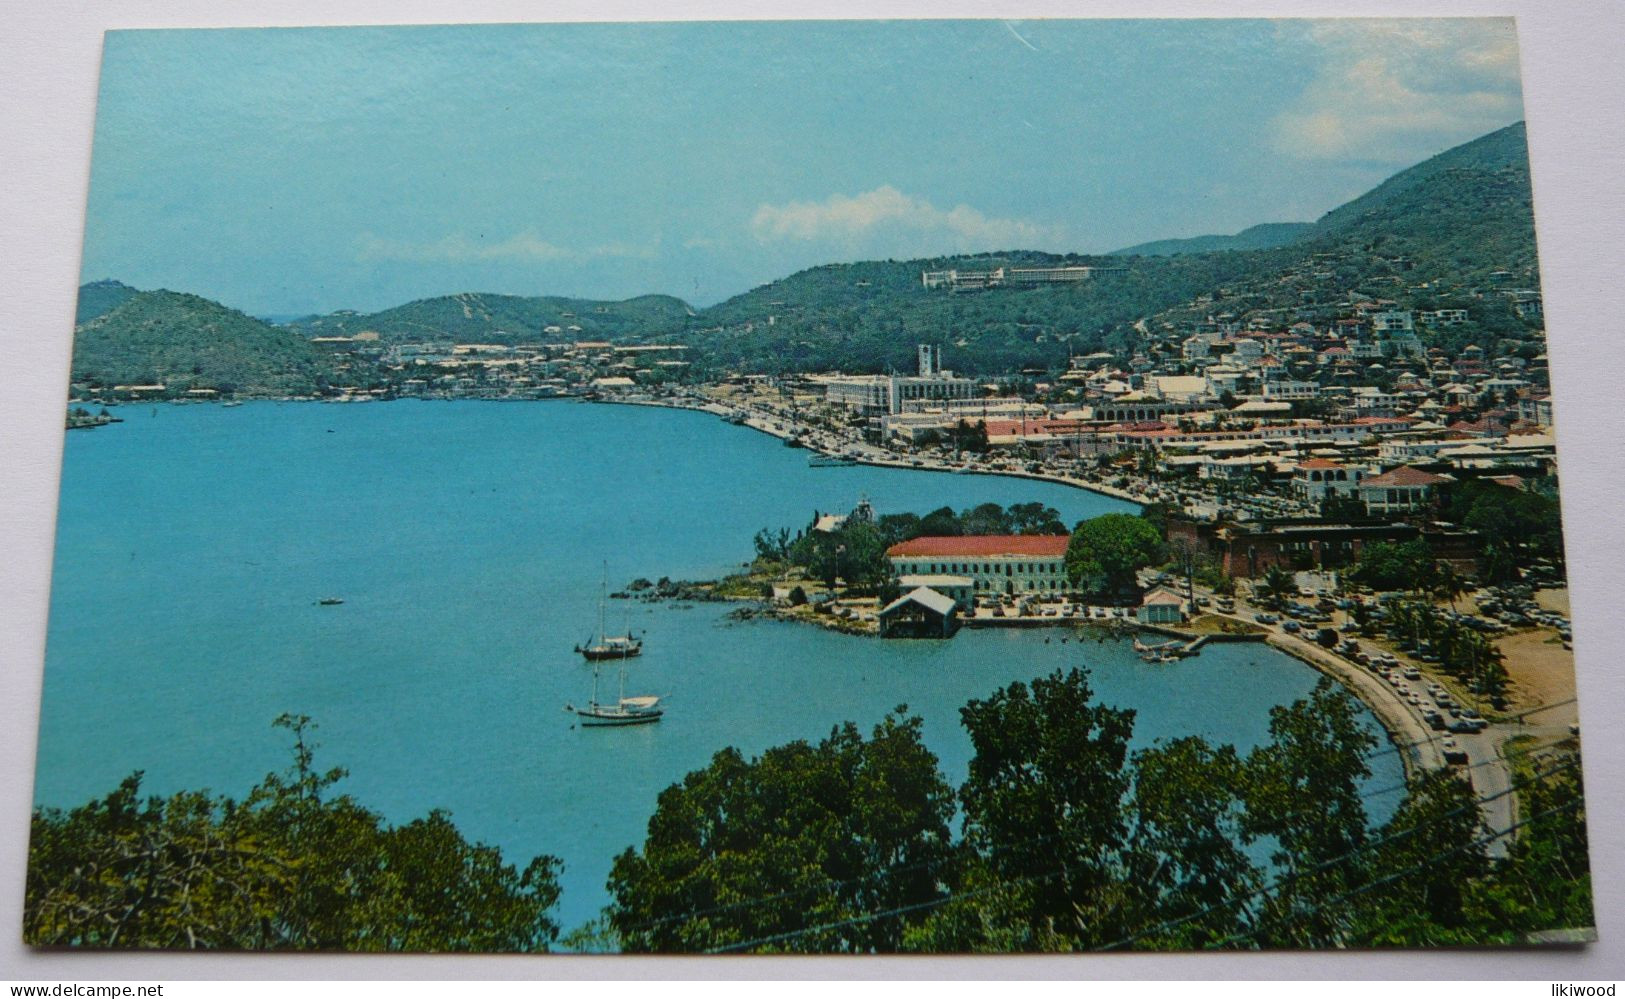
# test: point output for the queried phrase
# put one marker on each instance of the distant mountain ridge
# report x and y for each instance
(1264, 236)
(488, 318)
(98, 298)
(1444, 226)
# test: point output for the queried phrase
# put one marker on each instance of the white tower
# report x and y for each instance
(930, 360)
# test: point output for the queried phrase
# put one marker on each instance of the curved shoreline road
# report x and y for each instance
(1488, 770)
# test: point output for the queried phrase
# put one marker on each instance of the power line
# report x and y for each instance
(836, 884)
(933, 903)
(1278, 883)
(1491, 837)
(1292, 876)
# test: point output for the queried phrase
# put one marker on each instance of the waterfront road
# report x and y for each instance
(1424, 748)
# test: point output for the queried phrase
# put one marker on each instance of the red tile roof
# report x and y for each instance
(1405, 475)
(983, 546)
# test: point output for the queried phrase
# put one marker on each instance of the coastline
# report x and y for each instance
(1416, 745)
(764, 425)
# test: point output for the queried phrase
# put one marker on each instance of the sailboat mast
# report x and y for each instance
(603, 595)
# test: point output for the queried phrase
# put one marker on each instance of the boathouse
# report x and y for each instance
(920, 613)
(1161, 606)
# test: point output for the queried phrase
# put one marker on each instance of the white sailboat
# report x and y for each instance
(637, 710)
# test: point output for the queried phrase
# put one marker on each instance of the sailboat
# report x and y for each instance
(609, 646)
(638, 710)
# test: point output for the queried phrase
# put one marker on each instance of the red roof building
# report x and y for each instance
(995, 563)
(983, 546)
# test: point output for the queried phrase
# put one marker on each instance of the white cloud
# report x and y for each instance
(1397, 90)
(458, 248)
(905, 223)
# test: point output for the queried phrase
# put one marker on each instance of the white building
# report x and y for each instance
(876, 395)
(1318, 478)
(1393, 321)
(993, 563)
(1286, 390)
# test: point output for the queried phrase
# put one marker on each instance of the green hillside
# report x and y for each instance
(1452, 232)
(868, 316)
(1428, 237)
(474, 317)
(184, 342)
(1461, 214)
(1258, 237)
(98, 298)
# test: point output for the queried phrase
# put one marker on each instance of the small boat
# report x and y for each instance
(637, 710)
(1143, 648)
(330, 601)
(829, 461)
(609, 646)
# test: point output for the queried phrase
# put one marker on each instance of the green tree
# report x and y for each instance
(1278, 586)
(1044, 809)
(1302, 789)
(1186, 853)
(292, 866)
(1432, 844)
(1107, 551)
(1386, 565)
(781, 848)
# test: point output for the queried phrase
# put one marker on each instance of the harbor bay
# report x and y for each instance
(468, 542)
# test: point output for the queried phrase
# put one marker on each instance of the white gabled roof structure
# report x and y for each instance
(928, 598)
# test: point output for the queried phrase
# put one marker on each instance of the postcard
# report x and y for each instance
(824, 487)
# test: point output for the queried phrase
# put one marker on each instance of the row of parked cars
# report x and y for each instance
(1435, 704)
(1515, 608)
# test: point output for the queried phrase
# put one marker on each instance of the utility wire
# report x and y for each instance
(1280, 882)
(1574, 802)
(832, 885)
(933, 903)
(1293, 876)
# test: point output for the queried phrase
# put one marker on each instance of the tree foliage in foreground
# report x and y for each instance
(1071, 842)
(290, 867)
(796, 842)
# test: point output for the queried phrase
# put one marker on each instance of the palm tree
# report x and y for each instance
(1279, 584)
(1448, 583)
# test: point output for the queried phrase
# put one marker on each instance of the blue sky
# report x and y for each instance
(288, 171)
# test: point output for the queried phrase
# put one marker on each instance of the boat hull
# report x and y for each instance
(597, 655)
(612, 719)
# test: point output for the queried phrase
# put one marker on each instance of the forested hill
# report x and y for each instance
(1464, 213)
(183, 341)
(482, 318)
(1258, 237)
(868, 316)
(1427, 237)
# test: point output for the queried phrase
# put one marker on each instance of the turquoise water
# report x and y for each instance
(468, 541)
